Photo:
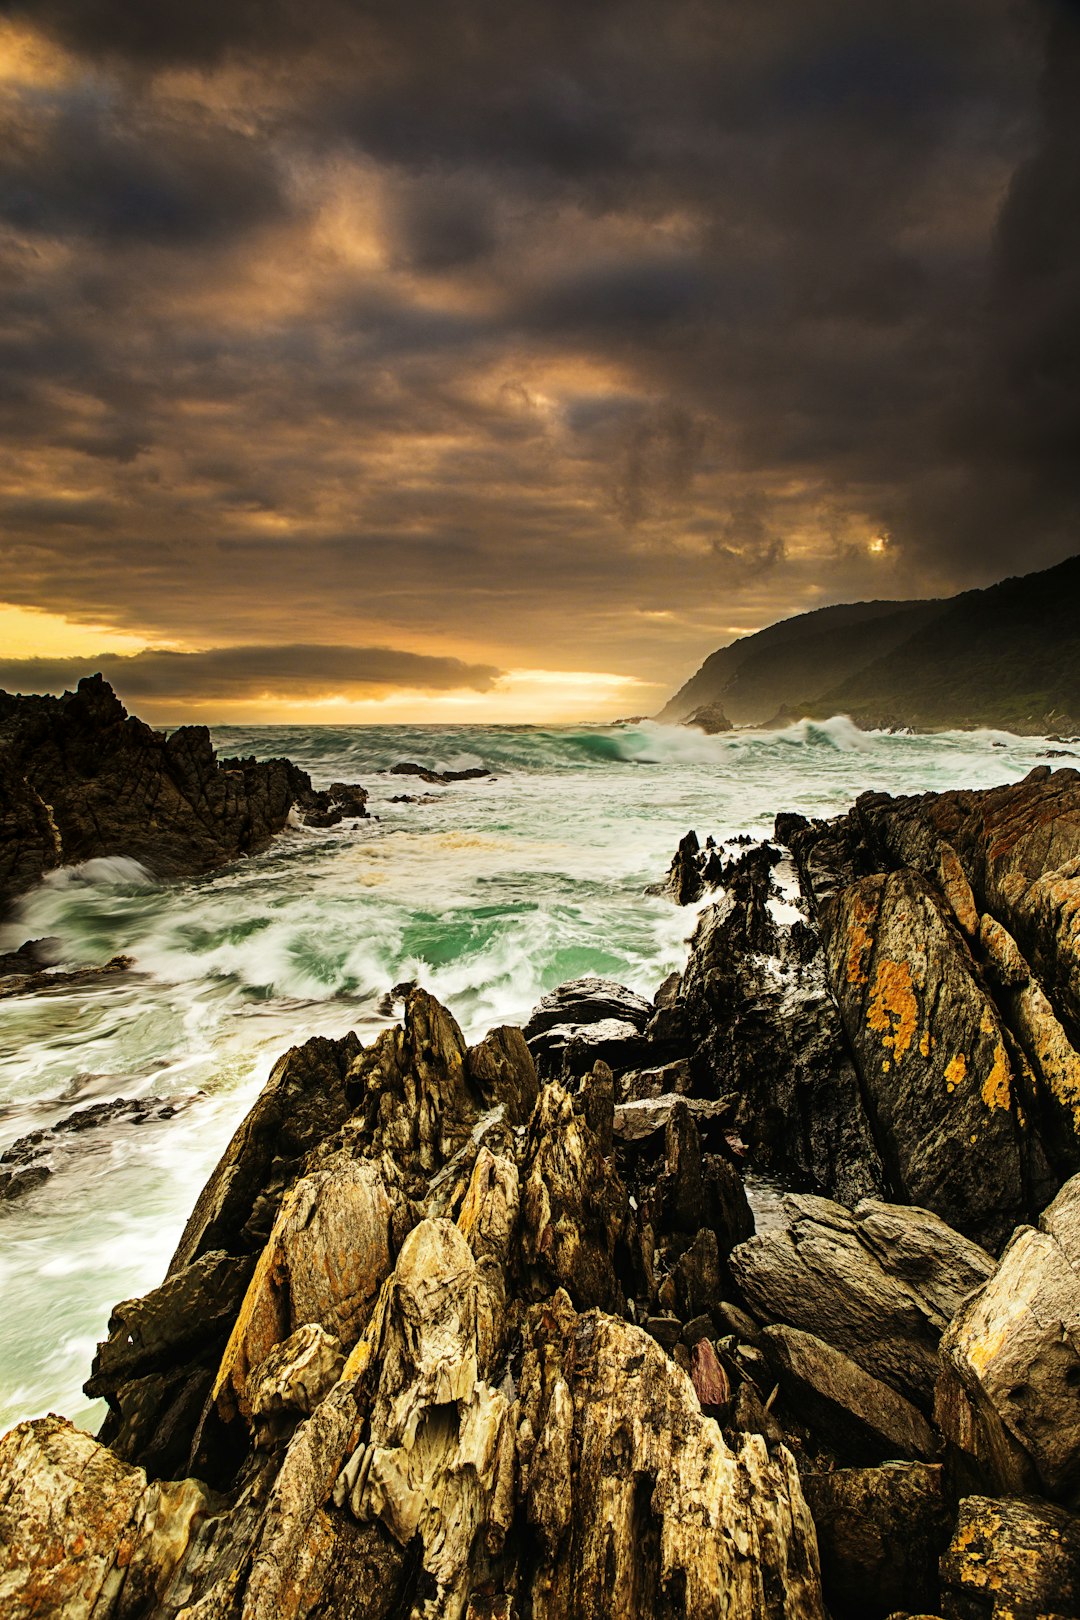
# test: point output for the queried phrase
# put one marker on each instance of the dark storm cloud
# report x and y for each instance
(232, 673)
(501, 323)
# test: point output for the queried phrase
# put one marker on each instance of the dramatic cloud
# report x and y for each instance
(231, 673)
(550, 336)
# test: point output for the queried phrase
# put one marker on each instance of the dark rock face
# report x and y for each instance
(81, 778)
(763, 1025)
(1010, 1558)
(880, 1533)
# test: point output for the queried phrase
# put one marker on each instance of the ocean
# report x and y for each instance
(487, 892)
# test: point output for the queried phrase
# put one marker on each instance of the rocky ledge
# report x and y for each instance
(81, 778)
(760, 1299)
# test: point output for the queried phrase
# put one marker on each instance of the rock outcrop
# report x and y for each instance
(80, 778)
(759, 1299)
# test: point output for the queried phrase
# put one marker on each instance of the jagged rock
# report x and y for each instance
(858, 1417)
(81, 1533)
(658, 1511)
(574, 1206)
(942, 1079)
(1011, 1560)
(327, 807)
(81, 778)
(1007, 1394)
(763, 1025)
(413, 1098)
(502, 1070)
(881, 1284)
(436, 1464)
(880, 1534)
(302, 1103)
(324, 1263)
(296, 1375)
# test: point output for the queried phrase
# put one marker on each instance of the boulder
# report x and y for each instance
(1010, 1362)
(1011, 1560)
(587, 1019)
(81, 1533)
(855, 1416)
(880, 1283)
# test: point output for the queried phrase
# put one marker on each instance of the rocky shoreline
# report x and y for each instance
(81, 779)
(758, 1299)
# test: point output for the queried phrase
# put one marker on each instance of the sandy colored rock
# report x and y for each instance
(81, 1533)
(1010, 1361)
(324, 1263)
(661, 1509)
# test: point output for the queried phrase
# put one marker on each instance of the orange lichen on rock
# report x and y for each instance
(955, 1071)
(893, 1010)
(997, 1087)
(860, 939)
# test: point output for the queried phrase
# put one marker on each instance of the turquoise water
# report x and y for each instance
(489, 893)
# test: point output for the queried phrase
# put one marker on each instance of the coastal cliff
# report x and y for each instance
(1005, 657)
(761, 1298)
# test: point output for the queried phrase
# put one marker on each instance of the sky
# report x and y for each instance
(486, 361)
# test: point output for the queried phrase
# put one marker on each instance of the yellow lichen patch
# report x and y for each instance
(955, 1071)
(893, 1011)
(860, 939)
(924, 1044)
(997, 1089)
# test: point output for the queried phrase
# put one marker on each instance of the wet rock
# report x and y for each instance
(763, 1025)
(709, 718)
(880, 1283)
(880, 1534)
(81, 779)
(46, 981)
(473, 773)
(858, 1417)
(328, 807)
(27, 1163)
(1011, 1560)
(1007, 1394)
